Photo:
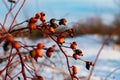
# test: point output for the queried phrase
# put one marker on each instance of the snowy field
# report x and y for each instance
(109, 59)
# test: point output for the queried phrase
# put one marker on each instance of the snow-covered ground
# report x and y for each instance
(108, 61)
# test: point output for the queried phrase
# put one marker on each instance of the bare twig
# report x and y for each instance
(16, 15)
(99, 52)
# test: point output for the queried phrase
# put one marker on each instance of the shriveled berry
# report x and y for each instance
(79, 52)
(62, 21)
(54, 25)
(12, 1)
(6, 46)
(32, 53)
(91, 63)
(52, 21)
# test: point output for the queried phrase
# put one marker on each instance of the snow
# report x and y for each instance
(108, 59)
(90, 45)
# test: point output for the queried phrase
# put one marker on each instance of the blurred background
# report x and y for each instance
(88, 16)
(92, 21)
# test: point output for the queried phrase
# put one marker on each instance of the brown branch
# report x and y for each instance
(9, 63)
(12, 15)
(98, 54)
(101, 48)
(8, 14)
(33, 64)
(67, 60)
(22, 64)
(3, 28)
(16, 15)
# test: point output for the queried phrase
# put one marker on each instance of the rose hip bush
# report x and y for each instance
(17, 53)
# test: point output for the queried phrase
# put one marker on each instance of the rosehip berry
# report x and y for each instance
(38, 16)
(9, 37)
(40, 45)
(51, 29)
(16, 44)
(74, 69)
(33, 20)
(75, 56)
(38, 52)
(60, 40)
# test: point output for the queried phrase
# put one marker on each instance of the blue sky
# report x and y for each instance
(73, 10)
